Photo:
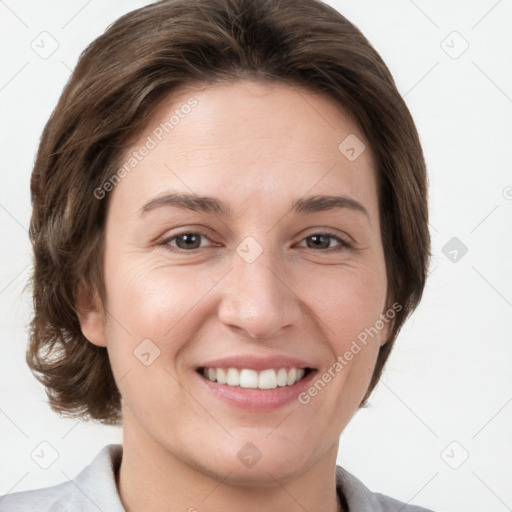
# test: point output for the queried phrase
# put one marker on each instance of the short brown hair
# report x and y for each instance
(120, 79)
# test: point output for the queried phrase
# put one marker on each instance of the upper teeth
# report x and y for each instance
(246, 378)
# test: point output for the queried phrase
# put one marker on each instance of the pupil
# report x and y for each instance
(320, 237)
(189, 239)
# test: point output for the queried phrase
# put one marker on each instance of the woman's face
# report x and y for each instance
(255, 285)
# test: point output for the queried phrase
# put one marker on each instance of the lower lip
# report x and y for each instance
(258, 399)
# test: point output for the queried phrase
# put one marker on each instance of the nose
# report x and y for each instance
(258, 299)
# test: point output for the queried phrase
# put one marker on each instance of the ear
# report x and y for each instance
(389, 323)
(90, 314)
(385, 333)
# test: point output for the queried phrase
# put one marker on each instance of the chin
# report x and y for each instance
(255, 459)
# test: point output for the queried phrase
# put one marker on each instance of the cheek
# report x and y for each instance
(148, 297)
(348, 303)
(151, 300)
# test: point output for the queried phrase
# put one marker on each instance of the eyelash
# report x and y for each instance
(344, 245)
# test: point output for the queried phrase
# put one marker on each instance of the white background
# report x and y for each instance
(449, 377)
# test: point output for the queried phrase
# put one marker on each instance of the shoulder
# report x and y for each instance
(361, 499)
(48, 499)
(94, 488)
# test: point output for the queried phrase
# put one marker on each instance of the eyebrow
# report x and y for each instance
(208, 204)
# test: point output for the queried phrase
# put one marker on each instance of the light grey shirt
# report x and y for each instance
(95, 489)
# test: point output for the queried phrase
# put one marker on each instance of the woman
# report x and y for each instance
(230, 227)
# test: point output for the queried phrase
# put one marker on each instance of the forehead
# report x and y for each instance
(248, 141)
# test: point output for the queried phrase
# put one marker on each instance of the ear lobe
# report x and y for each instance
(90, 314)
(384, 334)
(386, 331)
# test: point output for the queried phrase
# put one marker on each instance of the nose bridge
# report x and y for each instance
(257, 298)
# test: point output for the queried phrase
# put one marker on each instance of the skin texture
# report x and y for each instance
(257, 146)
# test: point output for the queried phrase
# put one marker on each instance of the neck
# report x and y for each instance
(152, 479)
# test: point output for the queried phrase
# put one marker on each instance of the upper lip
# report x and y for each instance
(256, 363)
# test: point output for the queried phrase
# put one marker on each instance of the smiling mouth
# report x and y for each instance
(248, 378)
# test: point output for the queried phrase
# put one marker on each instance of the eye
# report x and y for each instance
(186, 241)
(321, 241)
(189, 241)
